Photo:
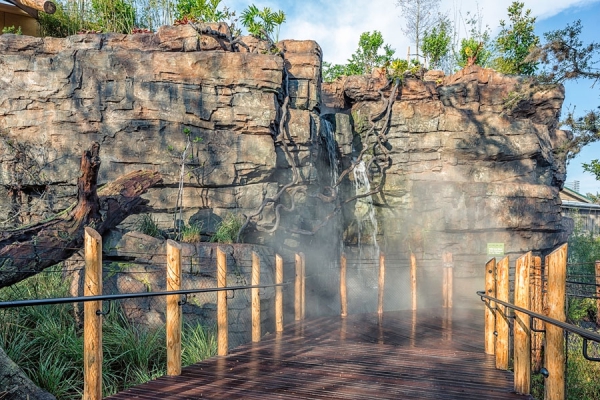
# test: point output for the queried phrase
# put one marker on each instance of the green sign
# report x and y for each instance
(495, 249)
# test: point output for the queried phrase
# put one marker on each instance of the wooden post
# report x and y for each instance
(92, 330)
(490, 314)
(447, 280)
(598, 293)
(502, 314)
(255, 292)
(554, 387)
(413, 280)
(222, 325)
(381, 283)
(522, 344)
(303, 290)
(536, 306)
(278, 293)
(343, 294)
(173, 309)
(298, 289)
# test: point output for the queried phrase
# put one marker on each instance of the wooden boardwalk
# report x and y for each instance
(430, 354)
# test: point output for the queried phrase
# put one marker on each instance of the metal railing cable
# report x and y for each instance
(122, 296)
(586, 335)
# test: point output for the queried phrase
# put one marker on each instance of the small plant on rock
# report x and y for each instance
(228, 229)
(148, 226)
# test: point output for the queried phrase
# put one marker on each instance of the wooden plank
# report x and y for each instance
(278, 293)
(343, 293)
(381, 283)
(554, 388)
(413, 281)
(318, 364)
(536, 306)
(92, 325)
(490, 315)
(522, 338)
(173, 317)
(502, 290)
(222, 324)
(255, 294)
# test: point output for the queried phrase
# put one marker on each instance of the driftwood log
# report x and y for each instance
(40, 5)
(29, 250)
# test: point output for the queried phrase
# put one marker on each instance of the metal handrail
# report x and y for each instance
(111, 297)
(585, 334)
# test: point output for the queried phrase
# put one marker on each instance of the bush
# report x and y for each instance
(47, 344)
(228, 229)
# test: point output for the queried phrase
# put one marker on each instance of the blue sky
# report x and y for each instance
(337, 25)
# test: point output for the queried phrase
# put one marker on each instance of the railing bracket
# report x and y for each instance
(585, 352)
(102, 312)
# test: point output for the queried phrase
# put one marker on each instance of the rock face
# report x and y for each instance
(465, 171)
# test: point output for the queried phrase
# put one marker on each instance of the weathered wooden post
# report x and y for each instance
(222, 324)
(447, 280)
(343, 294)
(490, 315)
(522, 345)
(255, 293)
(381, 283)
(502, 287)
(173, 316)
(413, 280)
(554, 388)
(278, 293)
(92, 330)
(298, 289)
(598, 292)
(536, 306)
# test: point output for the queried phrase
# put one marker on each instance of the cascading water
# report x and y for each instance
(364, 210)
(328, 135)
(364, 213)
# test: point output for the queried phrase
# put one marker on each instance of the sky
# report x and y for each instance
(337, 25)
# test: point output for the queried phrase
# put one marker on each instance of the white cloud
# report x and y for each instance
(337, 25)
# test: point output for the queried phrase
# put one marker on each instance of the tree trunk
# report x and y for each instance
(41, 5)
(15, 385)
(25, 252)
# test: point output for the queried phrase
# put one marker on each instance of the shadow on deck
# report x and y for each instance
(429, 354)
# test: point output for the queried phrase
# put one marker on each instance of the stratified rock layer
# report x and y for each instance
(466, 170)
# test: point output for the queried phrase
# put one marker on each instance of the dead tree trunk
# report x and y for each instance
(15, 385)
(29, 250)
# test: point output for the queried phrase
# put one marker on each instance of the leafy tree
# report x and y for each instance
(436, 43)
(367, 56)
(263, 23)
(421, 16)
(202, 10)
(593, 167)
(564, 57)
(515, 41)
(475, 49)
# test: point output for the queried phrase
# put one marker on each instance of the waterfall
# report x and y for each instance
(328, 135)
(364, 213)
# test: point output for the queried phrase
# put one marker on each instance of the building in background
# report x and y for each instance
(584, 212)
(11, 15)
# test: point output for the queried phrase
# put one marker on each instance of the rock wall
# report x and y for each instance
(466, 170)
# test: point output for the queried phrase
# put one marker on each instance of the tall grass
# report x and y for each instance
(47, 343)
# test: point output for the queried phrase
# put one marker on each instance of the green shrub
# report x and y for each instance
(47, 344)
(191, 234)
(12, 29)
(228, 229)
(148, 226)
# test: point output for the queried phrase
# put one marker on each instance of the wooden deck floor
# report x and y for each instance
(426, 355)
